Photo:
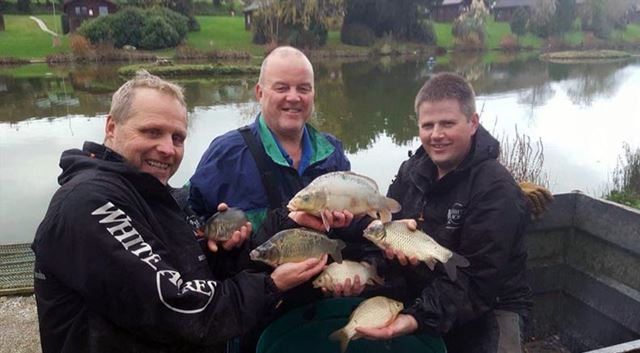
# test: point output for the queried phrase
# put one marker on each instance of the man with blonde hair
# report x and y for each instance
(118, 266)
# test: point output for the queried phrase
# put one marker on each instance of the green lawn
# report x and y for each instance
(223, 33)
(23, 38)
(496, 31)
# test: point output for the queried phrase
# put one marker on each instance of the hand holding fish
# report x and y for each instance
(403, 259)
(235, 239)
(334, 219)
(403, 325)
(292, 274)
(346, 289)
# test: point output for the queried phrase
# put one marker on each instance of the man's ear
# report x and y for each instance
(109, 128)
(258, 92)
(475, 122)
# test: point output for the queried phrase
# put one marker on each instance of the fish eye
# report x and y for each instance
(305, 198)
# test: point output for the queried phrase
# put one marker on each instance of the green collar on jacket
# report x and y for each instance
(321, 147)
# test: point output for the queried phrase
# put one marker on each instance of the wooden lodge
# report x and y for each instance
(78, 11)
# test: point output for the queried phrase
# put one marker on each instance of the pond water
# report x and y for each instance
(582, 113)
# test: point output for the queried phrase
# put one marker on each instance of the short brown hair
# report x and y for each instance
(123, 97)
(448, 85)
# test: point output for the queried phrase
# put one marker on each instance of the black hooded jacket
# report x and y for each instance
(477, 211)
(119, 269)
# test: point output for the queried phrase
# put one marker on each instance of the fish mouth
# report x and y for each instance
(291, 207)
(254, 254)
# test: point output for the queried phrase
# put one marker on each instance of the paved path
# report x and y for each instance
(43, 26)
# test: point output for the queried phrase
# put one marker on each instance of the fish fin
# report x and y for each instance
(372, 213)
(392, 205)
(377, 279)
(336, 254)
(385, 215)
(324, 221)
(451, 265)
(342, 337)
(431, 263)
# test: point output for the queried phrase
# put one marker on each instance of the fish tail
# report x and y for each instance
(336, 254)
(451, 265)
(341, 336)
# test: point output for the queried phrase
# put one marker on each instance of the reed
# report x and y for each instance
(625, 179)
(523, 157)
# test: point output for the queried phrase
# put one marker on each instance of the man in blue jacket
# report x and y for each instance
(288, 152)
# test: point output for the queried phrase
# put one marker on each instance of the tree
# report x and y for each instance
(404, 19)
(24, 6)
(468, 28)
(542, 13)
(519, 21)
(274, 16)
(564, 16)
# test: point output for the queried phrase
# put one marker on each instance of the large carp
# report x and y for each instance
(396, 236)
(295, 245)
(339, 273)
(340, 191)
(372, 313)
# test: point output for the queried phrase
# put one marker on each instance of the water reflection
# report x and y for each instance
(368, 105)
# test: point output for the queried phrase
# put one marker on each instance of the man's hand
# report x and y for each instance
(292, 274)
(538, 196)
(402, 258)
(334, 219)
(403, 325)
(346, 289)
(237, 238)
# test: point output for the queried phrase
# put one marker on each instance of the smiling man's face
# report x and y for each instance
(152, 138)
(446, 133)
(286, 94)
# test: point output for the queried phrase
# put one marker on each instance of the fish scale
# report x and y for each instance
(417, 244)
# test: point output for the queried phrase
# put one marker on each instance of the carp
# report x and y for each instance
(295, 245)
(340, 191)
(338, 273)
(221, 225)
(396, 236)
(372, 313)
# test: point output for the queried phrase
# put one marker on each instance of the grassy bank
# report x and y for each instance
(563, 56)
(190, 70)
(22, 38)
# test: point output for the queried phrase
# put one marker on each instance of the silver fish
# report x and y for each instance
(295, 245)
(372, 313)
(340, 191)
(221, 225)
(396, 236)
(338, 273)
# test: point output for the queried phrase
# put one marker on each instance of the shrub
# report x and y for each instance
(158, 33)
(357, 34)
(509, 42)
(79, 45)
(148, 29)
(423, 32)
(98, 30)
(126, 26)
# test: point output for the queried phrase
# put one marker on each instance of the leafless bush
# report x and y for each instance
(523, 157)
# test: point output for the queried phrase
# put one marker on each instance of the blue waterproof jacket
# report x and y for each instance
(228, 172)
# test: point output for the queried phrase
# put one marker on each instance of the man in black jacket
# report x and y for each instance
(458, 192)
(118, 266)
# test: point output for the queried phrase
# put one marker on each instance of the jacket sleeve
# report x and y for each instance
(104, 248)
(492, 230)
